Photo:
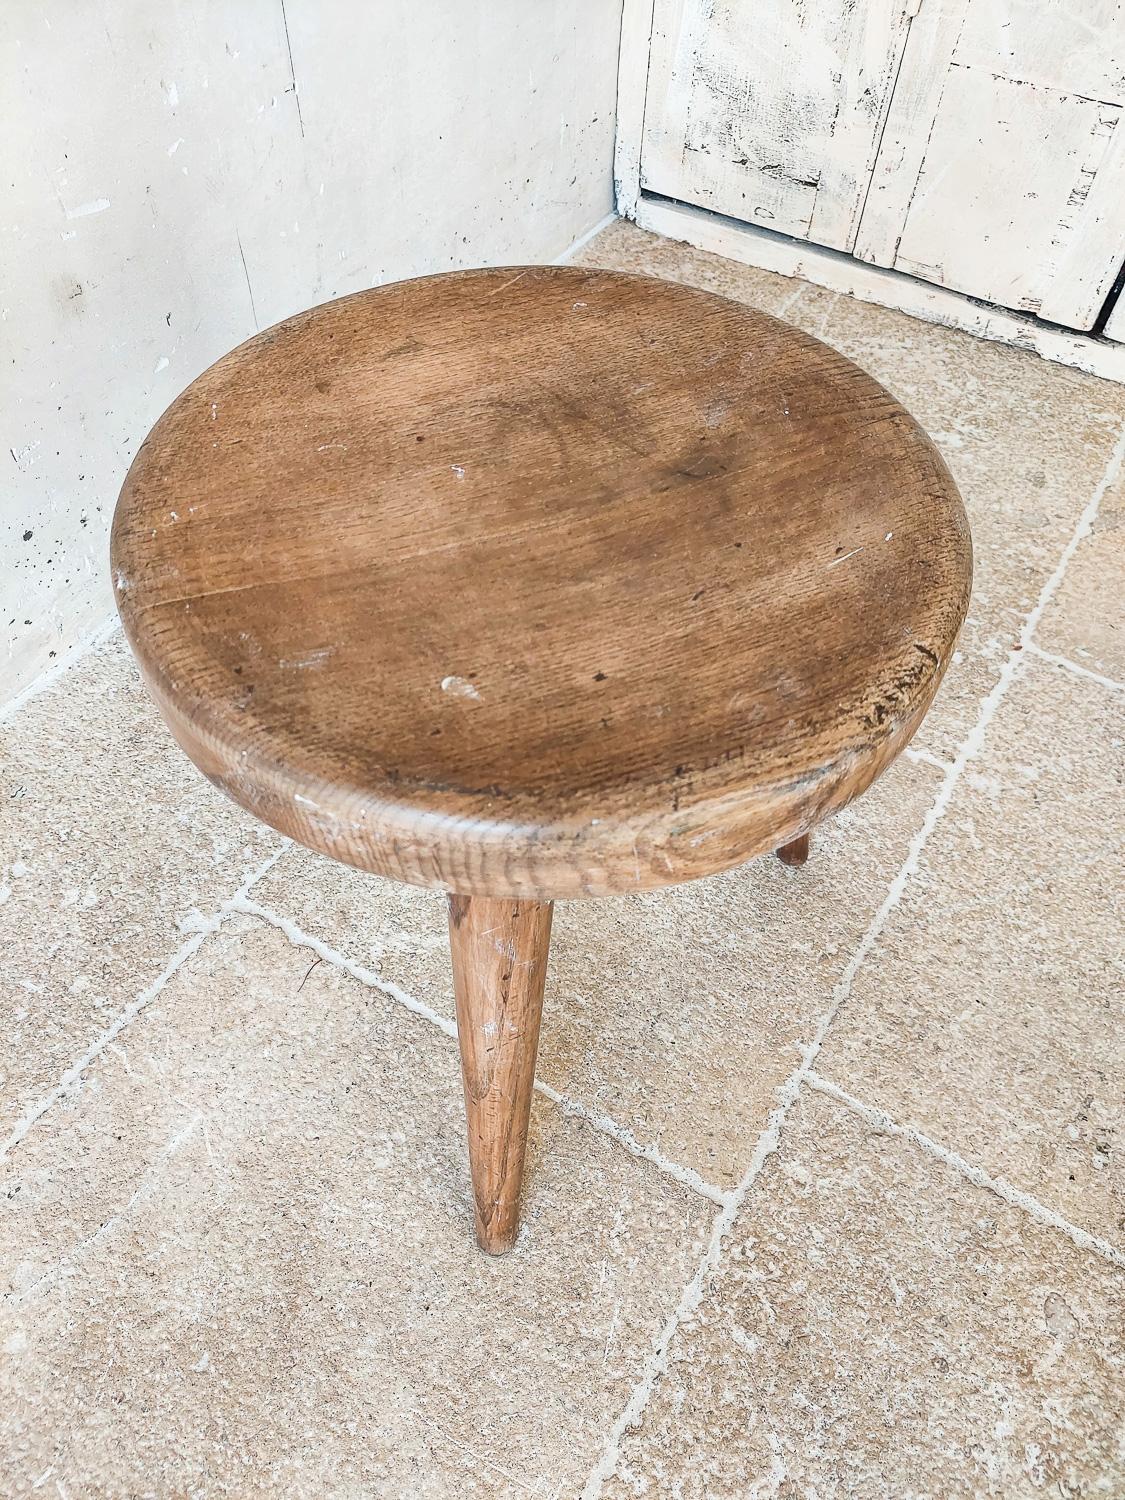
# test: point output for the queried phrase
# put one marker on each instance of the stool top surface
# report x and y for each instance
(540, 582)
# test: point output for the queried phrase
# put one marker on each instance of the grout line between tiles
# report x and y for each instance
(881, 1120)
(1081, 532)
(926, 758)
(1076, 667)
(828, 311)
(786, 307)
(685, 1176)
(301, 939)
(148, 1182)
(768, 1141)
(604, 1124)
(66, 1083)
(692, 1296)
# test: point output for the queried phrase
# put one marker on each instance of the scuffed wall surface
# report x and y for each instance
(178, 176)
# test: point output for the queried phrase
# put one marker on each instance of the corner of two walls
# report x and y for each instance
(184, 176)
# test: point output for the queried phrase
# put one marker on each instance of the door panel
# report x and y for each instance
(771, 112)
(1077, 47)
(1003, 190)
(911, 111)
(998, 175)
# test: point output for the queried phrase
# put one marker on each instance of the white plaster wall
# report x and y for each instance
(176, 176)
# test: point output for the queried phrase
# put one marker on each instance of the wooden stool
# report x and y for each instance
(538, 584)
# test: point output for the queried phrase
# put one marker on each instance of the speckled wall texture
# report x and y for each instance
(179, 176)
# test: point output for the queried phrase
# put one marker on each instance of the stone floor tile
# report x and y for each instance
(242, 1260)
(991, 1014)
(110, 844)
(624, 247)
(1086, 618)
(878, 1326)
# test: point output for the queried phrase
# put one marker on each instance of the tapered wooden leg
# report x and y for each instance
(499, 964)
(795, 853)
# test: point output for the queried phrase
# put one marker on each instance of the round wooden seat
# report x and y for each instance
(540, 583)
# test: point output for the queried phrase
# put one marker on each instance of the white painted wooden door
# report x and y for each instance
(770, 110)
(1002, 167)
(976, 144)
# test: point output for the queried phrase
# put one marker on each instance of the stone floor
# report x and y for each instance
(825, 1196)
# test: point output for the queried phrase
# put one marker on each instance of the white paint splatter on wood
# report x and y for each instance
(311, 661)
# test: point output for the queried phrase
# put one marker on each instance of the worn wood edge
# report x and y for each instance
(564, 860)
(837, 272)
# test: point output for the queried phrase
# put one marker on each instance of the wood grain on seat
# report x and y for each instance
(540, 583)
